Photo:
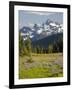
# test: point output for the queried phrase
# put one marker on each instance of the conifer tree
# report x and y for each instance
(21, 45)
(50, 48)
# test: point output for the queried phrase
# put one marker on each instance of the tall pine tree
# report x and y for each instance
(21, 45)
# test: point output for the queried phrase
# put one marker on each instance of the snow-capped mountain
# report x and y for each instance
(41, 31)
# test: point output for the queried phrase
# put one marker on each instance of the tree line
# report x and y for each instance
(25, 47)
(52, 48)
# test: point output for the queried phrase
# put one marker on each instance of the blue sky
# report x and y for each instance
(27, 18)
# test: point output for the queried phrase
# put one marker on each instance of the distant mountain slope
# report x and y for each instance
(47, 40)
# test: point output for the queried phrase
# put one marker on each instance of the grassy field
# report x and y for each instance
(43, 66)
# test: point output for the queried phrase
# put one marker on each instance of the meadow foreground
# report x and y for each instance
(42, 66)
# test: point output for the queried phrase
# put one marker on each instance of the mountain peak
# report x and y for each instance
(40, 31)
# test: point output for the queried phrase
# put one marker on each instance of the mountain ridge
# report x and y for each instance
(39, 32)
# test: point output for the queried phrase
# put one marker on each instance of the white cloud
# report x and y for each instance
(40, 13)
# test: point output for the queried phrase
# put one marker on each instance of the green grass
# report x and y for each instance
(43, 66)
